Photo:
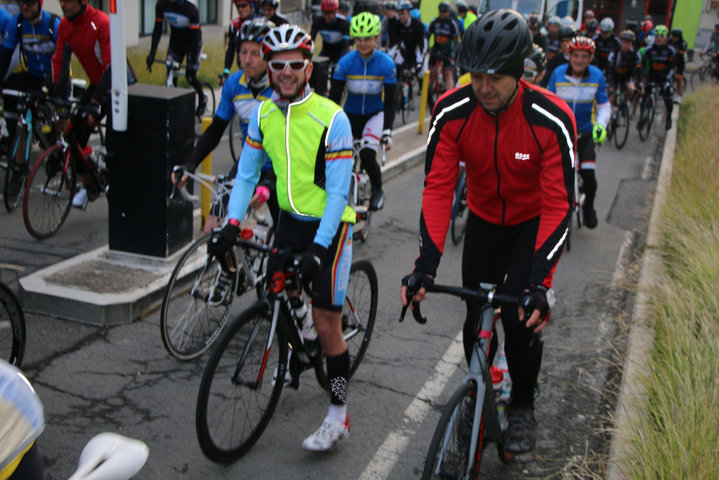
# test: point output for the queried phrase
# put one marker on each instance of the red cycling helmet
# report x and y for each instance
(329, 5)
(582, 43)
(647, 26)
(589, 14)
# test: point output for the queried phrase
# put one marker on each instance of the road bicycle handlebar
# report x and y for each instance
(485, 294)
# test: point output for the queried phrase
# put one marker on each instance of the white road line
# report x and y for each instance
(396, 442)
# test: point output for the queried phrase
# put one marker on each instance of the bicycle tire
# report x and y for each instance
(400, 103)
(235, 137)
(12, 327)
(621, 126)
(12, 199)
(360, 310)
(189, 324)
(460, 211)
(211, 101)
(698, 77)
(48, 194)
(449, 442)
(232, 412)
(645, 113)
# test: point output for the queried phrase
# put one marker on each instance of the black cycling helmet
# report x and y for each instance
(496, 43)
(271, 3)
(255, 30)
(677, 32)
(443, 7)
(538, 57)
(628, 35)
(567, 31)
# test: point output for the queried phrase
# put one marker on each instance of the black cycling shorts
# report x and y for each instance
(330, 284)
(586, 149)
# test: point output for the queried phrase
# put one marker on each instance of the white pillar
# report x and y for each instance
(119, 66)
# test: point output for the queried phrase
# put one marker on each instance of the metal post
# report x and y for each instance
(206, 168)
(119, 66)
(423, 102)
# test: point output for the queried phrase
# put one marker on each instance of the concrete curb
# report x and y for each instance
(104, 287)
(632, 395)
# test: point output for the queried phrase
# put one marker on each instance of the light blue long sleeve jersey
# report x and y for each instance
(337, 170)
(580, 94)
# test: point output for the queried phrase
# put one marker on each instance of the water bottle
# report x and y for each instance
(362, 184)
(497, 381)
(303, 316)
(405, 91)
(506, 379)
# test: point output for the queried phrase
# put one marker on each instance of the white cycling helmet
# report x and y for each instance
(606, 25)
(566, 21)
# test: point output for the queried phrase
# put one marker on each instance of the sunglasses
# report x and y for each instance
(27, 2)
(280, 65)
(530, 74)
(242, 5)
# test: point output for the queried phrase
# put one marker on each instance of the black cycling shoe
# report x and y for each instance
(590, 217)
(376, 201)
(669, 122)
(521, 434)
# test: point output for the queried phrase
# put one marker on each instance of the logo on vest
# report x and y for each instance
(521, 156)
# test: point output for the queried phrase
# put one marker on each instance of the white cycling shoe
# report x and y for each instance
(329, 433)
(80, 199)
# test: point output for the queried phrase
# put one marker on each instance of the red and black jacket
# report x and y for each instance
(519, 165)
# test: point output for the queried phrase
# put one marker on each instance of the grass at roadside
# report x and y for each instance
(209, 68)
(678, 437)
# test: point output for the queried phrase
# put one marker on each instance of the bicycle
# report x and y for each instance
(52, 182)
(460, 210)
(361, 191)
(175, 70)
(647, 111)
(619, 121)
(235, 137)
(248, 366)
(456, 451)
(706, 72)
(578, 200)
(200, 294)
(12, 326)
(436, 81)
(34, 128)
(405, 95)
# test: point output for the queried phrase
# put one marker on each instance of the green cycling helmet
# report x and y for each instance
(661, 30)
(365, 24)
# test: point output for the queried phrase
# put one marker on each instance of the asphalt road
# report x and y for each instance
(120, 379)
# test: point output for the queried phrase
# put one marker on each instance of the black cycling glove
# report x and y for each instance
(416, 280)
(221, 242)
(541, 303)
(312, 261)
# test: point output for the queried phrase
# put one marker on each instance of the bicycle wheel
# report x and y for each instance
(460, 212)
(238, 394)
(235, 137)
(646, 117)
(210, 94)
(698, 77)
(15, 178)
(621, 126)
(48, 194)
(191, 318)
(448, 455)
(360, 310)
(12, 327)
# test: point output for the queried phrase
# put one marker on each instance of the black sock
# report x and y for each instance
(338, 371)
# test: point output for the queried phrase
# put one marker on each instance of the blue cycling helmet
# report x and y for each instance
(404, 6)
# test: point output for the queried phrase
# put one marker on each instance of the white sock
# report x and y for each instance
(338, 412)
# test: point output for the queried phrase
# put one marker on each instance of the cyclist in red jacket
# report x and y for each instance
(517, 143)
(84, 31)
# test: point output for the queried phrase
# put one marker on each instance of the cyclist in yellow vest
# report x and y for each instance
(309, 141)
